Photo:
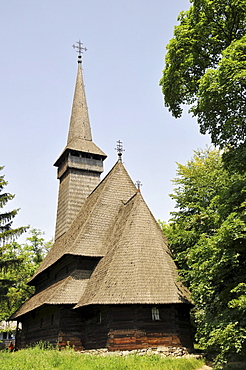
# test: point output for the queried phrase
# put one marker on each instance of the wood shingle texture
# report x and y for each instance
(65, 291)
(79, 135)
(90, 230)
(135, 266)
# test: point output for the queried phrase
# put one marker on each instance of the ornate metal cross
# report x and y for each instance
(80, 49)
(119, 149)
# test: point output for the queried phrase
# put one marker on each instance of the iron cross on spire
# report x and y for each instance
(120, 150)
(80, 49)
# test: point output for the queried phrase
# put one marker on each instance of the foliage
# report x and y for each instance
(29, 256)
(221, 109)
(36, 358)
(205, 65)
(207, 235)
(8, 261)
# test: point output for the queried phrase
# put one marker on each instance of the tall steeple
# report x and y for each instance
(79, 123)
(81, 162)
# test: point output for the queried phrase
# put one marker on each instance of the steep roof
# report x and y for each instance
(89, 232)
(79, 134)
(137, 267)
(79, 121)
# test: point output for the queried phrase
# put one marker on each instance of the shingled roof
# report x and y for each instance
(136, 266)
(79, 134)
(66, 291)
(88, 233)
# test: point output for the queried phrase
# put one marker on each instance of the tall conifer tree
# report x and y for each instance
(7, 235)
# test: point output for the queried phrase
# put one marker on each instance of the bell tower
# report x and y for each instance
(81, 163)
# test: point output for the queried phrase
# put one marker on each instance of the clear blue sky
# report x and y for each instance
(123, 65)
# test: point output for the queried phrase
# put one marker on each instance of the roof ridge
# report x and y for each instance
(130, 199)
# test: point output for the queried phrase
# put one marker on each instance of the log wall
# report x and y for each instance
(127, 327)
(71, 328)
(41, 324)
(117, 327)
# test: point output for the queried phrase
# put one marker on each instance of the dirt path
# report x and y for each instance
(205, 367)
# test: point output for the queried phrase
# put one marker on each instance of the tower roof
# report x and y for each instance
(79, 134)
(79, 122)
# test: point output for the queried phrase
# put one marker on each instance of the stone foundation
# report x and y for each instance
(161, 351)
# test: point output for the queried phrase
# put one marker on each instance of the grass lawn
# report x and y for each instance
(37, 359)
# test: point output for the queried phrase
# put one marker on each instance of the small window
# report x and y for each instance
(99, 317)
(155, 314)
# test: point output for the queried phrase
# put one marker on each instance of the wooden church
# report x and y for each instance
(109, 281)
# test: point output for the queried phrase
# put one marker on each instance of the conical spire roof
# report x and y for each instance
(79, 122)
(79, 134)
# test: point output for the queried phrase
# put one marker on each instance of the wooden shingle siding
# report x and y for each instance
(75, 186)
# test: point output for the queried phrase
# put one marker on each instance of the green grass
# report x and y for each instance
(37, 359)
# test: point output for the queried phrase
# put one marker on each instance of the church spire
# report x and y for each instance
(81, 162)
(79, 123)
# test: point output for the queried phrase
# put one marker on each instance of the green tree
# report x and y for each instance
(207, 234)
(205, 68)
(18, 262)
(7, 235)
(29, 256)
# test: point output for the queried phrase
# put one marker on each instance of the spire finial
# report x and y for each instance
(138, 184)
(80, 49)
(120, 150)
